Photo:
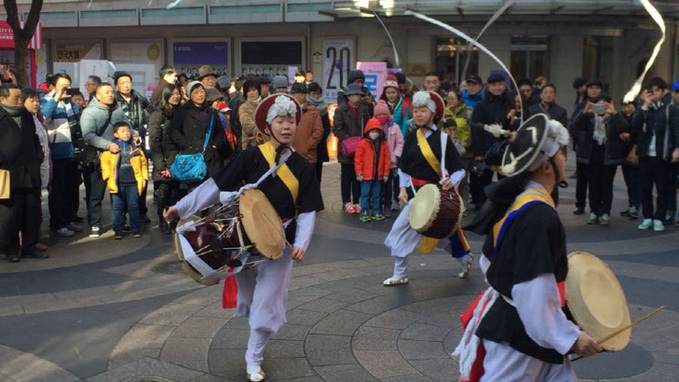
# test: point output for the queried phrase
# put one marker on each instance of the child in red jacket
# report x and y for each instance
(371, 163)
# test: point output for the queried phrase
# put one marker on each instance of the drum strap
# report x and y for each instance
(427, 152)
(283, 171)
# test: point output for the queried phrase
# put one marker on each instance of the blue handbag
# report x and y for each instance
(191, 168)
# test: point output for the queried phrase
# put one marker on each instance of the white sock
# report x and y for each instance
(255, 353)
(463, 259)
(400, 267)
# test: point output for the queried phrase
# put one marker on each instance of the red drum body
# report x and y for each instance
(435, 212)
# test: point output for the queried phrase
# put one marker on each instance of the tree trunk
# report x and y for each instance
(21, 61)
(22, 36)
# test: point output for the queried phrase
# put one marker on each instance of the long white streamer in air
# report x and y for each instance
(490, 22)
(471, 41)
(631, 95)
(393, 46)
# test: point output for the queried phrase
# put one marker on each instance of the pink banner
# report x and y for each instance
(375, 74)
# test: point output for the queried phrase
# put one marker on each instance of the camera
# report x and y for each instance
(477, 168)
(72, 91)
(599, 108)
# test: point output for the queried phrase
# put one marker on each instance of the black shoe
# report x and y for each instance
(14, 258)
(33, 254)
(117, 235)
(164, 227)
(127, 229)
(579, 211)
(77, 219)
(145, 219)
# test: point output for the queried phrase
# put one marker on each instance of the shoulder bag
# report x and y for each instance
(191, 168)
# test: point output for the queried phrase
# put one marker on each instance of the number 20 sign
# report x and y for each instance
(338, 60)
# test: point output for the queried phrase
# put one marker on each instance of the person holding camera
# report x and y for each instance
(65, 141)
(601, 151)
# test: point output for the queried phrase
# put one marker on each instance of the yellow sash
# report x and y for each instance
(531, 194)
(426, 151)
(283, 171)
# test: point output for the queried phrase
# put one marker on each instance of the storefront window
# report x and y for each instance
(451, 57)
(530, 57)
(598, 59)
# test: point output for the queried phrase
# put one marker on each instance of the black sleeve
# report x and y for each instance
(231, 177)
(673, 124)
(309, 198)
(453, 160)
(176, 130)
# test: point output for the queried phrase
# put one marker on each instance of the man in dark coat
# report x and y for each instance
(21, 155)
(548, 106)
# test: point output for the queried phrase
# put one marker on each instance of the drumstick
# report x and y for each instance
(608, 337)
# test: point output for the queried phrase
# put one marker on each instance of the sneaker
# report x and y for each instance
(365, 217)
(75, 227)
(15, 258)
(593, 218)
(126, 229)
(95, 232)
(658, 226)
(118, 235)
(604, 219)
(35, 254)
(64, 232)
(136, 234)
(377, 216)
(645, 224)
(357, 208)
(626, 211)
(349, 208)
(579, 211)
(633, 213)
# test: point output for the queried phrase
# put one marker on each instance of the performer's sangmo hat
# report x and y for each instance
(274, 106)
(535, 141)
(432, 101)
(596, 300)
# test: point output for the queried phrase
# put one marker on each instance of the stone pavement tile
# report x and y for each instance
(62, 304)
(303, 282)
(199, 327)
(408, 378)
(307, 292)
(140, 341)
(215, 310)
(384, 364)
(203, 296)
(395, 319)
(341, 322)
(211, 378)
(238, 322)
(284, 348)
(373, 338)
(424, 332)
(183, 350)
(226, 362)
(230, 338)
(343, 284)
(654, 377)
(430, 307)
(343, 373)
(303, 316)
(303, 379)
(379, 305)
(416, 350)
(323, 305)
(171, 314)
(666, 368)
(305, 270)
(10, 310)
(19, 366)
(445, 321)
(444, 370)
(287, 368)
(351, 296)
(145, 367)
(451, 340)
(323, 350)
(343, 274)
(292, 332)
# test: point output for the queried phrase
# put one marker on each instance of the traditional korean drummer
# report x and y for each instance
(524, 331)
(294, 193)
(420, 164)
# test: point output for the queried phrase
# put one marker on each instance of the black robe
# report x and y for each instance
(413, 162)
(249, 165)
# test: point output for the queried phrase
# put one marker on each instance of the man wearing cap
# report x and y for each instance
(295, 195)
(207, 76)
(265, 84)
(357, 76)
(422, 148)
(280, 84)
(472, 93)
(489, 111)
(580, 87)
(310, 128)
(167, 76)
(519, 321)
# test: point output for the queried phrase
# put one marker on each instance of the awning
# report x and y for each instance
(7, 36)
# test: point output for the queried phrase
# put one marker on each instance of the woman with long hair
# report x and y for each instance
(163, 151)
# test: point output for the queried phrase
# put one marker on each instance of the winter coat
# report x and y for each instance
(461, 114)
(322, 154)
(401, 113)
(553, 111)
(615, 149)
(92, 120)
(308, 135)
(109, 170)
(163, 149)
(135, 111)
(653, 124)
(46, 164)
(487, 112)
(394, 142)
(365, 161)
(346, 126)
(188, 129)
(471, 100)
(246, 116)
(20, 151)
(57, 125)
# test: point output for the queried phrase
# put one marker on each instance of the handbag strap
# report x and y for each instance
(209, 132)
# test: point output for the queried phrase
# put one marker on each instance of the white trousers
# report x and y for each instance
(502, 363)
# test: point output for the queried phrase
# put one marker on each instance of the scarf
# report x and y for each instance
(14, 112)
(599, 134)
(74, 127)
(320, 104)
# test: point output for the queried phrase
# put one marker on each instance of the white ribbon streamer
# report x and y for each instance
(631, 95)
(471, 41)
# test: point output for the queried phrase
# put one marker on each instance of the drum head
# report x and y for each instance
(424, 207)
(596, 300)
(186, 266)
(262, 223)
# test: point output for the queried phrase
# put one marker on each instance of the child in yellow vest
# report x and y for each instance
(126, 174)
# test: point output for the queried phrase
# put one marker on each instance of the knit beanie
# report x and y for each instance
(381, 109)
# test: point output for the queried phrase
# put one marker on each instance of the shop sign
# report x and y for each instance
(375, 74)
(338, 58)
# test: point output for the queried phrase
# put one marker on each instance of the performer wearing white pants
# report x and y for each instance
(289, 182)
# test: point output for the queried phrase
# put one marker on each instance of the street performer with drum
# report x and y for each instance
(294, 193)
(519, 323)
(429, 157)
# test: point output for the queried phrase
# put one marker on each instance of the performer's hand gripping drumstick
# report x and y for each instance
(586, 345)
(170, 214)
(403, 197)
(447, 184)
(298, 254)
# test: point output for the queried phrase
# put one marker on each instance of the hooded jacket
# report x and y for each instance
(92, 120)
(367, 162)
(59, 132)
